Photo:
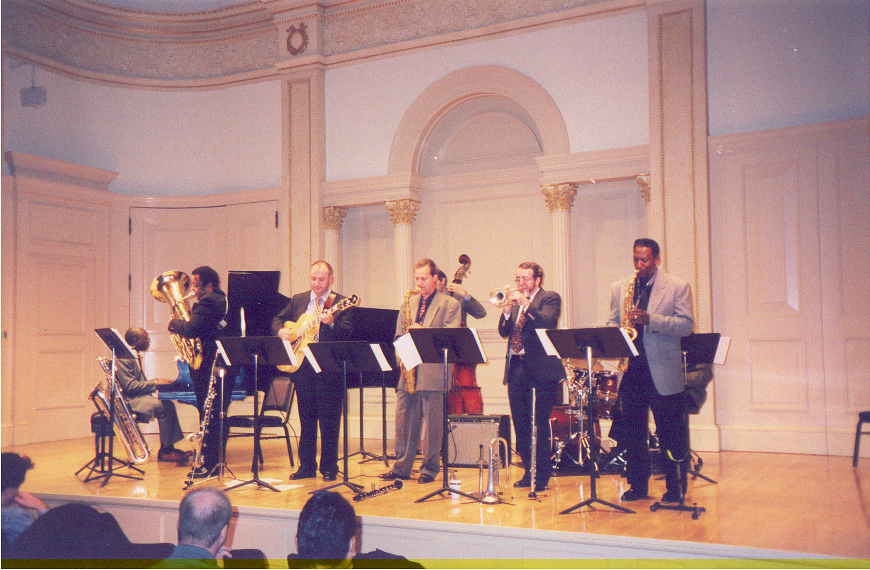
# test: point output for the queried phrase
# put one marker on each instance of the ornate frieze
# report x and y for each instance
(333, 216)
(559, 196)
(643, 186)
(402, 211)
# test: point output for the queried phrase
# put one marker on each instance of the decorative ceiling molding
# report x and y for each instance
(248, 41)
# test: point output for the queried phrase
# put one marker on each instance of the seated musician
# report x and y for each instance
(139, 393)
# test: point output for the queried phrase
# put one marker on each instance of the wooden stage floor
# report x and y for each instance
(815, 505)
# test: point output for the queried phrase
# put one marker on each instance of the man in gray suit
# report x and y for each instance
(662, 314)
(428, 309)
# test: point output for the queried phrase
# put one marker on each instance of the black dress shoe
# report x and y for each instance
(392, 476)
(671, 497)
(329, 476)
(526, 481)
(200, 472)
(540, 487)
(425, 478)
(634, 495)
(303, 474)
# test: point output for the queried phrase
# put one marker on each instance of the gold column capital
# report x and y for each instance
(560, 196)
(402, 211)
(333, 216)
(643, 186)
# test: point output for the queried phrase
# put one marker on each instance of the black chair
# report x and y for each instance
(279, 401)
(863, 418)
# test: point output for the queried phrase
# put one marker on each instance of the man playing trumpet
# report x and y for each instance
(526, 308)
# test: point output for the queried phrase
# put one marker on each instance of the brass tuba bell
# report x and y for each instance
(171, 287)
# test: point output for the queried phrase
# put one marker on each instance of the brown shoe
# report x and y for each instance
(173, 455)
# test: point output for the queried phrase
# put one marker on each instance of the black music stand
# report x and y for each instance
(451, 345)
(376, 326)
(344, 357)
(121, 351)
(602, 342)
(255, 351)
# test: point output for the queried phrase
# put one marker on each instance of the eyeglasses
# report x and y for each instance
(524, 280)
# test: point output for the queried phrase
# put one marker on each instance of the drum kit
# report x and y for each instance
(569, 430)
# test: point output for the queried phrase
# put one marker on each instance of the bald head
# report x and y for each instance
(203, 516)
(137, 338)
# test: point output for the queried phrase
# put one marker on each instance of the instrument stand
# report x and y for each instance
(362, 446)
(252, 351)
(533, 470)
(694, 509)
(454, 345)
(344, 357)
(607, 342)
(221, 465)
(385, 457)
(120, 350)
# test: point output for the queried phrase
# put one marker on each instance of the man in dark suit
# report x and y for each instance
(206, 324)
(661, 312)
(319, 397)
(527, 366)
(139, 392)
(428, 309)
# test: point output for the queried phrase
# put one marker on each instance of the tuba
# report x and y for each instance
(410, 376)
(171, 287)
(128, 430)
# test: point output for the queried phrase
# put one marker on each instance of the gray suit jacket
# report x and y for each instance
(671, 318)
(444, 312)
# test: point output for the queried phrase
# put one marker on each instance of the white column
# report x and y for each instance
(332, 221)
(560, 198)
(402, 214)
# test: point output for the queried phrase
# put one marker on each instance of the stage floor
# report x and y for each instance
(816, 505)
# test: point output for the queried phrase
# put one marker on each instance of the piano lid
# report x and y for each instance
(257, 292)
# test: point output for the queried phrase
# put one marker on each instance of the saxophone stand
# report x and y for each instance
(604, 342)
(344, 357)
(254, 351)
(445, 346)
(120, 350)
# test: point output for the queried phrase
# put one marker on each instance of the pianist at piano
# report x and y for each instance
(140, 395)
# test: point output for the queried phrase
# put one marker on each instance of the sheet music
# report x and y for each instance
(382, 360)
(722, 350)
(549, 348)
(479, 346)
(310, 356)
(634, 351)
(222, 352)
(407, 351)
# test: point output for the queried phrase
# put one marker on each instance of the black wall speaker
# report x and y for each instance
(466, 433)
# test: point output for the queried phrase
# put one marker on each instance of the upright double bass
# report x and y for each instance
(464, 396)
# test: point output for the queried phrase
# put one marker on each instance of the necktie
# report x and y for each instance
(516, 337)
(422, 312)
(317, 311)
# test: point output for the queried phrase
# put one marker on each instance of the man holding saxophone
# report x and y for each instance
(527, 366)
(660, 309)
(205, 323)
(423, 397)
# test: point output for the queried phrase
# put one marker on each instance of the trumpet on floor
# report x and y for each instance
(494, 485)
(499, 297)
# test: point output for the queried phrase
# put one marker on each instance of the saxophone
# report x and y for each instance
(410, 376)
(128, 430)
(628, 305)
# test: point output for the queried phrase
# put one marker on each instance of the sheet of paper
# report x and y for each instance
(548, 344)
(722, 350)
(634, 351)
(382, 360)
(288, 346)
(407, 351)
(479, 346)
(311, 359)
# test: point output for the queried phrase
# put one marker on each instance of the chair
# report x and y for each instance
(279, 400)
(863, 418)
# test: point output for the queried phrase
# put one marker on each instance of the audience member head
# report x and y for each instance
(203, 518)
(14, 467)
(327, 528)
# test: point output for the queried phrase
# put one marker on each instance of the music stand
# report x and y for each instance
(344, 357)
(602, 342)
(450, 345)
(254, 351)
(122, 351)
(376, 326)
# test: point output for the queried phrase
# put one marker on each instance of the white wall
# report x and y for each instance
(595, 70)
(160, 142)
(783, 63)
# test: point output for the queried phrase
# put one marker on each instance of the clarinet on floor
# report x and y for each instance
(397, 484)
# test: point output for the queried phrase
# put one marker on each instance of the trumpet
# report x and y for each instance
(496, 468)
(499, 297)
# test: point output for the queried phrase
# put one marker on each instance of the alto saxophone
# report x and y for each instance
(625, 324)
(410, 376)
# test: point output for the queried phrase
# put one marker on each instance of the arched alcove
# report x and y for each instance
(452, 109)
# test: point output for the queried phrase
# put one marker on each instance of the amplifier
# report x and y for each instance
(468, 432)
